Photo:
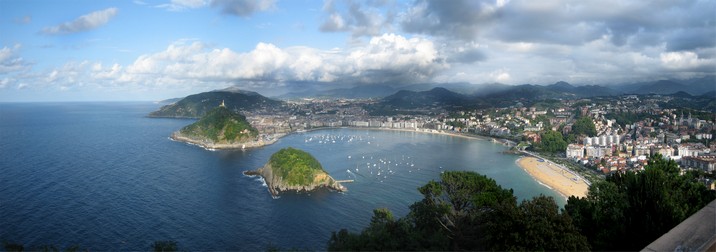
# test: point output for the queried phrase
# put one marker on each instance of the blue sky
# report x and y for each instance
(151, 50)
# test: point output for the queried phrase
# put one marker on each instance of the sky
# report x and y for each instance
(88, 50)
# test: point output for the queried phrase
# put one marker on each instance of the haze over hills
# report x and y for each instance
(693, 93)
(560, 89)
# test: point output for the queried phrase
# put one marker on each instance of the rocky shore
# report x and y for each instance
(210, 145)
(276, 185)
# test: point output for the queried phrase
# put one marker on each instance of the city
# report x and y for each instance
(616, 145)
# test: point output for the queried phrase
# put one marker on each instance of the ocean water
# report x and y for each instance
(105, 177)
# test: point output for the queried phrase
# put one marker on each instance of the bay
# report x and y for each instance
(105, 177)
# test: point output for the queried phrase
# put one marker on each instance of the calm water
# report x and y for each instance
(103, 176)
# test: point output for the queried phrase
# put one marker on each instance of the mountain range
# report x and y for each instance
(696, 93)
(695, 87)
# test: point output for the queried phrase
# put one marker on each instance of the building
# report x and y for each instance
(575, 151)
(706, 163)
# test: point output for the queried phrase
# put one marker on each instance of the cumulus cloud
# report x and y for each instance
(242, 8)
(83, 23)
(387, 57)
(686, 60)
(358, 18)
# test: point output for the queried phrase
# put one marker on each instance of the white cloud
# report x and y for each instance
(685, 61)
(4, 82)
(179, 5)
(388, 58)
(83, 23)
(10, 61)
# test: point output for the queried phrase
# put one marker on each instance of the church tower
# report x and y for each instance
(222, 104)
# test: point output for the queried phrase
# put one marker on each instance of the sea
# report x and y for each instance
(106, 177)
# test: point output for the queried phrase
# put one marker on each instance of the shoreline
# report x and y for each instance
(427, 131)
(177, 136)
(554, 177)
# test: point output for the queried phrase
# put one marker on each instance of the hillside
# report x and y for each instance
(195, 106)
(292, 169)
(219, 128)
(435, 97)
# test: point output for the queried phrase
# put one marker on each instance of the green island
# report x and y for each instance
(221, 128)
(291, 169)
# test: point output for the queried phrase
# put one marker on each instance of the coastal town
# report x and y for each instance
(625, 130)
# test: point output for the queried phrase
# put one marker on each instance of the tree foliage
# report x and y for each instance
(467, 211)
(295, 166)
(584, 126)
(630, 210)
(552, 141)
(220, 124)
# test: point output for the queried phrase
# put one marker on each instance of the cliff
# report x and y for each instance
(295, 170)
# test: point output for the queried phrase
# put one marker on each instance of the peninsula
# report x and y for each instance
(222, 128)
(292, 169)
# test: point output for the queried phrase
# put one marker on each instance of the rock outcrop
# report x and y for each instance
(294, 170)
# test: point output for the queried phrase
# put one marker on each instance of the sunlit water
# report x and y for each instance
(104, 176)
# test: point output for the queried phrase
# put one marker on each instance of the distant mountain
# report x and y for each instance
(435, 97)
(195, 106)
(358, 92)
(695, 87)
(559, 90)
(169, 101)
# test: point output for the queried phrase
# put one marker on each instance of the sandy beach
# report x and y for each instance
(557, 178)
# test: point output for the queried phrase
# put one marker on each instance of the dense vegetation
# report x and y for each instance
(552, 141)
(468, 211)
(197, 105)
(296, 167)
(627, 118)
(630, 210)
(584, 126)
(220, 124)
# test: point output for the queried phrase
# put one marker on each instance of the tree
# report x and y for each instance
(584, 126)
(540, 226)
(645, 205)
(552, 141)
(467, 211)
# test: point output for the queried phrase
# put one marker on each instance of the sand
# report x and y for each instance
(556, 177)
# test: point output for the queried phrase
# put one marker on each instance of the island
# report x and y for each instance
(222, 128)
(292, 169)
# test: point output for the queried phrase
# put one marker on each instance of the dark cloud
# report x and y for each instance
(691, 38)
(467, 56)
(461, 19)
(681, 25)
(242, 8)
(360, 18)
